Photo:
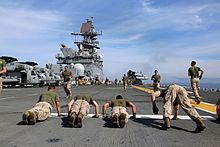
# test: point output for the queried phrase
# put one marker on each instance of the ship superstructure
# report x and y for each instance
(87, 53)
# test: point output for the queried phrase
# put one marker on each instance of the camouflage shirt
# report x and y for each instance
(119, 102)
(67, 75)
(163, 91)
(50, 97)
(194, 72)
(84, 97)
(2, 64)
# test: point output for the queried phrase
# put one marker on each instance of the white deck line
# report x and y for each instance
(205, 110)
(5, 98)
(182, 117)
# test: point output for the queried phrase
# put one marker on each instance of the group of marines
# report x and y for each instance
(176, 96)
(78, 106)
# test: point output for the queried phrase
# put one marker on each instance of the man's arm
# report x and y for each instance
(104, 107)
(153, 101)
(152, 78)
(69, 105)
(3, 70)
(154, 95)
(189, 74)
(133, 108)
(58, 108)
(96, 108)
(71, 74)
(201, 73)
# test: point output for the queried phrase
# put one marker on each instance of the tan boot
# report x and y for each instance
(72, 119)
(200, 125)
(115, 120)
(32, 118)
(166, 123)
(25, 117)
(122, 118)
(197, 100)
(79, 120)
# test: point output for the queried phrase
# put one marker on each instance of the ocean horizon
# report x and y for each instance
(204, 83)
(201, 85)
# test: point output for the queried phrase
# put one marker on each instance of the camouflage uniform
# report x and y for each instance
(67, 82)
(81, 105)
(194, 73)
(179, 94)
(125, 82)
(2, 64)
(119, 107)
(156, 81)
(44, 106)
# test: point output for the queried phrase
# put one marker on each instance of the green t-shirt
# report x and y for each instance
(2, 64)
(67, 75)
(218, 103)
(119, 102)
(156, 78)
(84, 97)
(50, 97)
(194, 71)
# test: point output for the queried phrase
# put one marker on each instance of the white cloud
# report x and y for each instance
(18, 23)
(124, 40)
(170, 17)
(148, 8)
(28, 34)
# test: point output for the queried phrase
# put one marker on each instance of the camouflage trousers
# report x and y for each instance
(195, 86)
(125, 85)
(42, 110)
(119, 110)
(67, 88)
(1, 80)
(180, 95)
(80, 106)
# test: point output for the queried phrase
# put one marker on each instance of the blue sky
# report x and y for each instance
(141, 35)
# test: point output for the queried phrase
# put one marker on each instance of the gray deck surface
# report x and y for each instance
(95, 131)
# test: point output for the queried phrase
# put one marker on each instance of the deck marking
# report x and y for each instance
(182, 117)
(5, 98)
(15, 89)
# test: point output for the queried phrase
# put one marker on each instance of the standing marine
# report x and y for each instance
(42, 109)
(67, 75)
(119, 114)
(196, 74)
(3, 69)
(156, 80)
(125, 82)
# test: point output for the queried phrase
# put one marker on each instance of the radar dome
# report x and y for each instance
(79, 69)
